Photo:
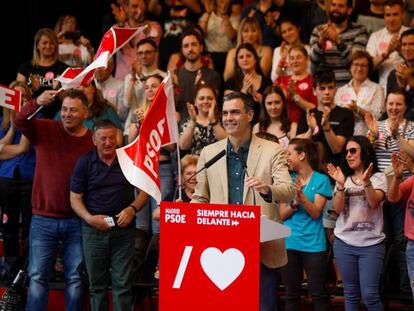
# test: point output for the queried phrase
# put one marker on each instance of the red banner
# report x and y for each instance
(209, 257)
(10, 98)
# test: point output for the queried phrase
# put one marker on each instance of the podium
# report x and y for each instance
(210, 255)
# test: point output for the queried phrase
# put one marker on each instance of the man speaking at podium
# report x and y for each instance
(254, 172)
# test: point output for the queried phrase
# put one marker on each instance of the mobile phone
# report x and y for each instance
(111, 221)
(73, 35)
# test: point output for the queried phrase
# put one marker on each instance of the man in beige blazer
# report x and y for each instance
(267, 180)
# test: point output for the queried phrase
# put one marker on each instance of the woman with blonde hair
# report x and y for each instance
(44, 67)
(249, 32)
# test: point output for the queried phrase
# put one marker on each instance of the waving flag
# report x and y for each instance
(114, 39)
(139, 160)
(75, 77)
(10, 98)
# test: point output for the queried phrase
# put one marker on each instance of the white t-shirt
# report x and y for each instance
(359, 224)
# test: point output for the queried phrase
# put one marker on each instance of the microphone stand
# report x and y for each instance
(244, 166)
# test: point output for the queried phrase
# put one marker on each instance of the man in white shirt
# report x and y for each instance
(383, 44)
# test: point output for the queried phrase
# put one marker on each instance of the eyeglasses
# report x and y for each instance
(351, 150)
(146, 53)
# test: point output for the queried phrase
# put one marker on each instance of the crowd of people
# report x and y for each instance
(316, 96)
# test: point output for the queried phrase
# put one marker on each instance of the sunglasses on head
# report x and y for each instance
(352, 150)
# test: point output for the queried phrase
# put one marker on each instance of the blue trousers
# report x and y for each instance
(44, 235)
(361, 269)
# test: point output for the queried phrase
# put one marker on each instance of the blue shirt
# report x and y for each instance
(105, 188)
(308, 234)
(24, 163)
(235, 173)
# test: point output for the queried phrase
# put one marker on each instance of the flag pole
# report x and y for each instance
(179, 171)
(41, 107)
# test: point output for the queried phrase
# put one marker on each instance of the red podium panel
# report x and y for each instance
(209, 257)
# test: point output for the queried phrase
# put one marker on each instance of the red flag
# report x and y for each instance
(114, 39)
(75, 77)
(139, 160)
(10, 98)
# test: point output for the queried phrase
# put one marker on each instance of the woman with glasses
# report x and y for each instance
(359, 238)
(361, 95)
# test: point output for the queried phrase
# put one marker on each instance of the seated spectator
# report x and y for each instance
(273, 117)
(248, 77)
(359, 238)
(249, 32)
(299, 85)
(75, 50)
(361, 95)
(290, 33)
(44, 67)
(306, 246)
(203, 126)
(17, 165)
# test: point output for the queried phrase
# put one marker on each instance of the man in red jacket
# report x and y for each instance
(58, 145)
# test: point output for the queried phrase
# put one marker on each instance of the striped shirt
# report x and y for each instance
(355, 37)
(387, 145)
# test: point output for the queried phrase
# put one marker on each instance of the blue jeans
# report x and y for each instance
(268, 288)
(361, 269)
(44, 235)
(410, 263)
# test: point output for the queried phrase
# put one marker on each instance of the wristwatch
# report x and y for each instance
(294, 206)
(296, 98)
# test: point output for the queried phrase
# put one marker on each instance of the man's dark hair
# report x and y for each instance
(191, 32)
(394, 2)
(408, 32)
(147, 41)
(247, 100)
(323, 77)
(102, 124)
(75, 93)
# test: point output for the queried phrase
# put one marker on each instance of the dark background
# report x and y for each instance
(20, 20)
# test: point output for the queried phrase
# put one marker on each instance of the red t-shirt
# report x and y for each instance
(304, 88)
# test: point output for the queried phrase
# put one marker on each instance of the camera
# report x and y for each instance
(75, 35)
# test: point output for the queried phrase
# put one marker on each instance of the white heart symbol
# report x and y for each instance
(222, 268)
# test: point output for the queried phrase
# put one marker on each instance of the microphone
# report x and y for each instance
(242, 160)
(213, 160)
(243, 163)
(209, 163)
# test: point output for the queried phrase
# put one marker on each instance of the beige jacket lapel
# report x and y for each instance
(253, 158)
